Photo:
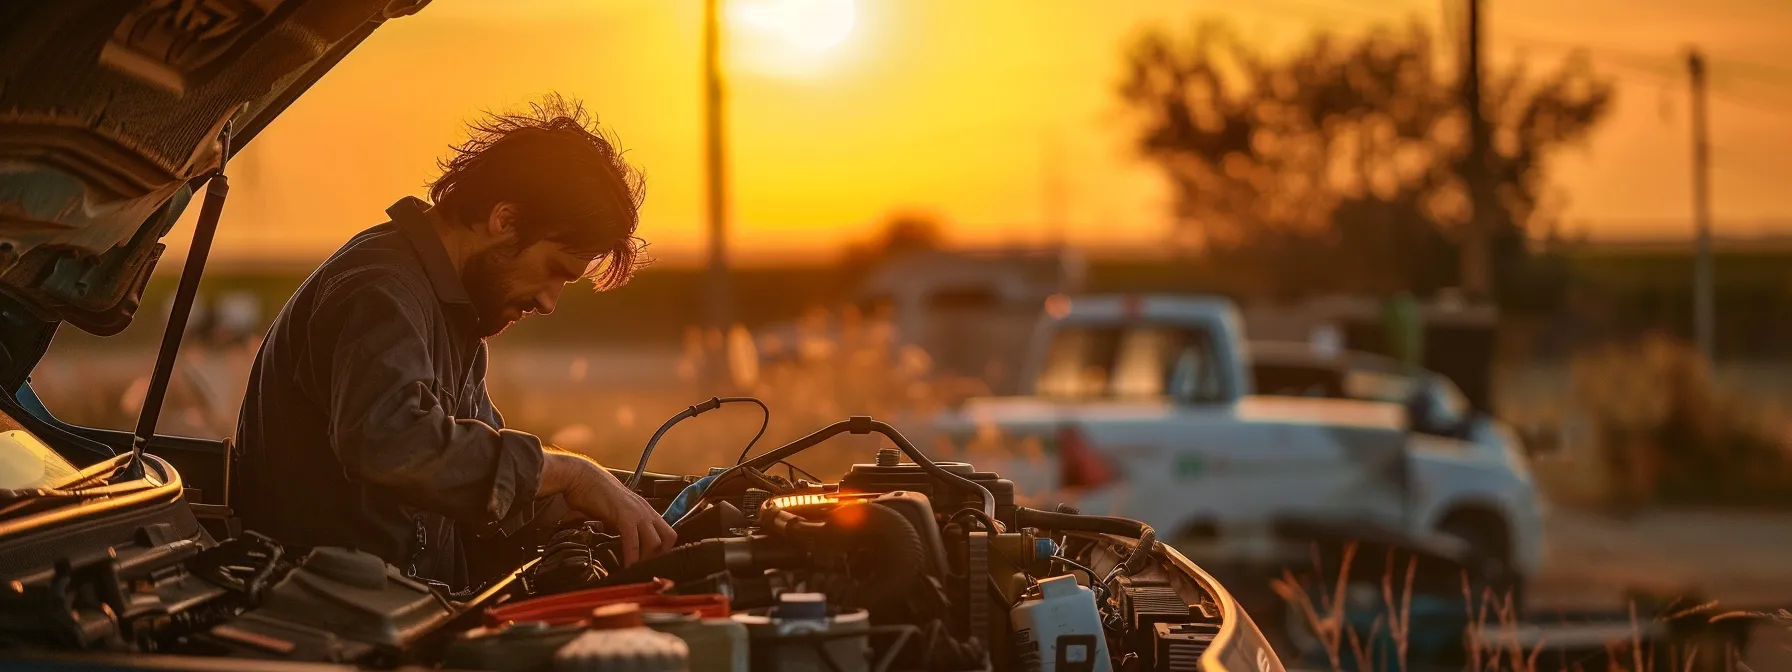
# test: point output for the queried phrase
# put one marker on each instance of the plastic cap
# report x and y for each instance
(1058, 586)
(616, 616)
(812, 606)
(1044, 547)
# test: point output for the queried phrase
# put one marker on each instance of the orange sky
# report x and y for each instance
(953, 107)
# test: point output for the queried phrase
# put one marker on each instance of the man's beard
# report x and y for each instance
(488, 281)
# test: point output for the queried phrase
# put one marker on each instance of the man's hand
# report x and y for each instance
(591, 490)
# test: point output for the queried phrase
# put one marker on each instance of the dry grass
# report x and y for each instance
(1495, 640)
(1661, 428)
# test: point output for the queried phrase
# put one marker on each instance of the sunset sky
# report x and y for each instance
(967, 109)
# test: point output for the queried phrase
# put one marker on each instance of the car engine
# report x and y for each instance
(904, 563)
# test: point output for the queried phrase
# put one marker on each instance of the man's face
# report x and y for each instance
(510, 280)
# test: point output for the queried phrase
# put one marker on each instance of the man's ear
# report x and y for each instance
(502, 222)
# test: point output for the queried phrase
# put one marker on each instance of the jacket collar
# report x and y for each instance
(407, 215)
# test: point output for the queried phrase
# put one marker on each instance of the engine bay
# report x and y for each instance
(904, 563)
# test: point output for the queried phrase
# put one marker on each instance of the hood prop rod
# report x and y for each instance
(217, 188)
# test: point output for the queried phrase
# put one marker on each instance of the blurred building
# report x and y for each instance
(970, 308)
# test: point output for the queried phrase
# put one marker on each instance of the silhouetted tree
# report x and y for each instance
(902, 234)
(1337, 168)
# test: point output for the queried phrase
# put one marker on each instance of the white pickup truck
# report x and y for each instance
(1144, 407)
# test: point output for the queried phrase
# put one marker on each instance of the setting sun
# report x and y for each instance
(810, 24)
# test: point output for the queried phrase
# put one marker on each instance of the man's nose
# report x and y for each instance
(548, 299)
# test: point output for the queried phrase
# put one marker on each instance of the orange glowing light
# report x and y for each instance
(849, 516)
(792, 501)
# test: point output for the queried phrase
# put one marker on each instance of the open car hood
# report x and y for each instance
(110, 117)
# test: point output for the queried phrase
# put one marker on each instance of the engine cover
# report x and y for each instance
(888, 476)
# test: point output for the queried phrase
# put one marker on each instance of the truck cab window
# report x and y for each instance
(1139, 362)
(1077, 364)
(1194, 373)
(1143, 365)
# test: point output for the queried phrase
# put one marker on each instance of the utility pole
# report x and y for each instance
(716, 292)
(1052, 190)
(1476, 265)
(1704, 324)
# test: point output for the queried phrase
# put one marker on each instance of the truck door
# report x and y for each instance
(1162, 409)
(1244, 465)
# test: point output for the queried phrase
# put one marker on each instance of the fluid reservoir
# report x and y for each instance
(619, 642)
(1060, 631)
(716, 643)
(512, 647)
(793, 636)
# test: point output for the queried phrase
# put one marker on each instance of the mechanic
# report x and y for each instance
(366, 421)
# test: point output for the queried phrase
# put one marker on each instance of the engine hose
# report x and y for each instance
(708, 557)
(1050, 520)
(787, 524)
(883, 548)
(1141, 554)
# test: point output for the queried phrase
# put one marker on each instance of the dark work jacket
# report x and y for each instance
(366, 423)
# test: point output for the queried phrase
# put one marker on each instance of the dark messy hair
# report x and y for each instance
(566, 176)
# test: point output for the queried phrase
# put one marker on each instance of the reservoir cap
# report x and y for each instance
(811, 606)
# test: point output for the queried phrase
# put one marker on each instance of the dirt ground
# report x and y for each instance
(1741, 559)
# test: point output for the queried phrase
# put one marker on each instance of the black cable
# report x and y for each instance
(765, 420)
(764, 481)
(1094, 579)
(778, 456)
(258, 581)
(1095, 585)
(799, 470)
(858, 424)
(647, 451)
(691, 412)
(866, 425)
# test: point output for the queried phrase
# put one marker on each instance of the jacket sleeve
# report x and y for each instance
(389, 428)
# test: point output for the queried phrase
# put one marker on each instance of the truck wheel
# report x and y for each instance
(1490, 555)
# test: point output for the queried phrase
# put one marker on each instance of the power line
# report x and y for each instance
(1771, 75)
(1654, 64)
(1669, 71)
(1780, 107)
